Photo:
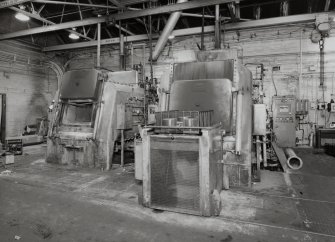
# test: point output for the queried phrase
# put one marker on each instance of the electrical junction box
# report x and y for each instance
(259, 119)
(332, 107)
(284, 120)
(321, 106)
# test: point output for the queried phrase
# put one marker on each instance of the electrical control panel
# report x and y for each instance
(284, 120)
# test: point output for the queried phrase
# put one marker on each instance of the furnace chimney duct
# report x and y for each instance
(163, 39)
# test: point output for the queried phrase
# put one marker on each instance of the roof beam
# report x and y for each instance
(117, 3)
(38, 17)
(40, 9)
(8, 3)
(123, 29)
(192, 31)
(54, 27)
(73, 3)
(115, 17)
(108, 32)
(130, 2)
(167, 9)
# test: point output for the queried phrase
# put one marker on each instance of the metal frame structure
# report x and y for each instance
(123, 11)
(303, 18)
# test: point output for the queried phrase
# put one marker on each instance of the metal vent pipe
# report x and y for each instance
(163, 39)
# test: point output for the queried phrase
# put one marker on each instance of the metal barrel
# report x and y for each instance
(293, 161)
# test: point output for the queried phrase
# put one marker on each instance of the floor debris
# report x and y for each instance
(6, 172)
(43, 230)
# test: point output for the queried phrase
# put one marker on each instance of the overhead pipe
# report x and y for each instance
(99, 45)
(202, 46)
(198, 15)
(122, 56)
(265, 161)
(217, 27)
(75, 4)
(239, 106)
(163, 39)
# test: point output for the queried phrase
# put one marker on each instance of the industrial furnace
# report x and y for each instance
(84, 125)
(204, 140)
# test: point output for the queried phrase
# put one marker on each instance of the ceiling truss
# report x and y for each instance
(122, 12)
(304, 18)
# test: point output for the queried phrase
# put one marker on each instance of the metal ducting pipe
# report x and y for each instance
(122, 56)
(293, 161)
(239, 106)
(217, 27)
(170, 24)
(99, 45)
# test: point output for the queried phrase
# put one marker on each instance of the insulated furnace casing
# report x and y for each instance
(182, 167)
(85, 119)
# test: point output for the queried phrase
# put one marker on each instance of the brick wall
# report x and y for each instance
(29, 85)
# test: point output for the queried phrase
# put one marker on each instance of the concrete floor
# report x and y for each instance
(41, 201)
(301, 200)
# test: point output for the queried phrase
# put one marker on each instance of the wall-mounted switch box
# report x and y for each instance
(332, 107)
(321, 106)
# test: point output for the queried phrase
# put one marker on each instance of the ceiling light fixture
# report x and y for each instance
(73, 36)
(22, 17)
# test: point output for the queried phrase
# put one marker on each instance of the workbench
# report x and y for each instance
(323, 136)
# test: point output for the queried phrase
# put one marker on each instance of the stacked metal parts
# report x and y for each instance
(186, 122)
